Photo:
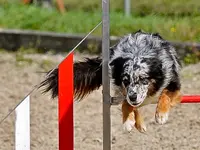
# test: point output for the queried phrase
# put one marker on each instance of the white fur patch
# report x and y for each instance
(128, 125)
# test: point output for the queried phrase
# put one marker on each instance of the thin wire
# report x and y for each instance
(75, 47)
(37, 86)
(17, 105)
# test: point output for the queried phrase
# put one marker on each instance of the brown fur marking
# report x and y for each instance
(168, 99)
(132, 113)
(127, 112)
(139, 121)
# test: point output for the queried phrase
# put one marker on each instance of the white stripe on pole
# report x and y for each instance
(22, 125)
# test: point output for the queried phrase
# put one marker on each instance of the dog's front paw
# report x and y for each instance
(128, 125)
(161, 118)
(141, 127)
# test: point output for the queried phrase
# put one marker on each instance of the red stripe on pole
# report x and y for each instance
(66, 124)
(190, 99)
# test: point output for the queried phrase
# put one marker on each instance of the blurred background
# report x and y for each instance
(176, 20)
(36, 35)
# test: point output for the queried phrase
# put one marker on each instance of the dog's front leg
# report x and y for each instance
(166, 100)
(131, 118)
(128, 116)
(139, 121)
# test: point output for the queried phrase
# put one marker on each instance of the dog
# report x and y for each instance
(144, 69)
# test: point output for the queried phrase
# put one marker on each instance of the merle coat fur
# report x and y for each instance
(141, 65)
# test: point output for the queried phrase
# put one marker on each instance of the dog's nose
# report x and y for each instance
(133, 97)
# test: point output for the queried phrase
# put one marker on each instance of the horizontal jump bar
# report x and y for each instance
(184, 99)
(190, 99)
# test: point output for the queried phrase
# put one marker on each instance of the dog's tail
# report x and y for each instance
(87, 78)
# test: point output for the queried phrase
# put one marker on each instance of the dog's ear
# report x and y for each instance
(115, 61)
(119, 61)
(117, 67)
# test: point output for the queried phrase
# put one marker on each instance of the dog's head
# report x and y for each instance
(139, 74)
(135, 80)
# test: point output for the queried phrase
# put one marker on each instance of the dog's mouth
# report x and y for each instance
(134, 103)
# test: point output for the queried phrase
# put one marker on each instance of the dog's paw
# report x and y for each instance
(128, 125)
(161, 118)
(141, 127)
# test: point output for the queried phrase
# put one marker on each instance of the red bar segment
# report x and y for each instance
(190, 99)
(65, 104)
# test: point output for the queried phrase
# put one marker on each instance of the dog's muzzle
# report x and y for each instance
(132, 100)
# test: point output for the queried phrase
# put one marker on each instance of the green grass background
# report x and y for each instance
(176, 20)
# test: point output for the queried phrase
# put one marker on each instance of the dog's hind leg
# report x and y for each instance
(166, 101)
(131, 118)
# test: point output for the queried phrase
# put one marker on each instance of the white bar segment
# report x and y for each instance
(22, 125)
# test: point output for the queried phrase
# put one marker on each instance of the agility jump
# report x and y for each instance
(65, 90)
(65, 94)
(107, 99)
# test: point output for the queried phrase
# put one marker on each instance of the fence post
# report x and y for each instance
(105, 76)
(127, 7)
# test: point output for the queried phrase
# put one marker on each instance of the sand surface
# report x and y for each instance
(17, 78)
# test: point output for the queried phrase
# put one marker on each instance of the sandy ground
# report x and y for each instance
(17, 78)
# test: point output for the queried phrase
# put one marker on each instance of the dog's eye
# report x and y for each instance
(145, 81)
(126, 82)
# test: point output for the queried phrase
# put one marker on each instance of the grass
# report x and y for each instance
(138, 7)
(176, 28)
(142, 7)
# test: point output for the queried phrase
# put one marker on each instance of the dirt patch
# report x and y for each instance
(18, 76)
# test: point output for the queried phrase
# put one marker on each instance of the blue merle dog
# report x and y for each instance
(144, 70)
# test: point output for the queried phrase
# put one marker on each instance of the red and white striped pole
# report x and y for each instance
(65, 99)
(65, 104)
